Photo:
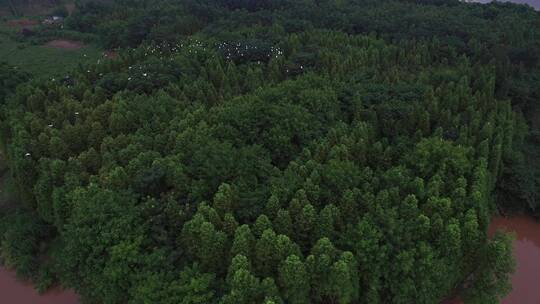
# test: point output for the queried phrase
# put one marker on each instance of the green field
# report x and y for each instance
(41, 60)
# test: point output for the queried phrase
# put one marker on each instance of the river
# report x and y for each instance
(525, 287)
(14, 291)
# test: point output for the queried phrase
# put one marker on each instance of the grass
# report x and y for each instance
(41, 60)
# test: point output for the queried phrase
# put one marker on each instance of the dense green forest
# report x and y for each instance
(242, 151)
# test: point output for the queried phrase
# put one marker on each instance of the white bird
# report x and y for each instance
(51, 125)
(76, 113)
(27, 154)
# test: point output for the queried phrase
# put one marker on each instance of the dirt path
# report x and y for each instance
(65, 44)
(22, 23)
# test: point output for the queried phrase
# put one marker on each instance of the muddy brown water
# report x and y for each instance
(525, 288)
(525, 281)
(14, 291)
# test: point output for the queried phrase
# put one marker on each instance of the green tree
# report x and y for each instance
(243, 242)
(261, 224)
(344, 279)
(283, 222)
(492, 276)
(294, 280)
(224, 200)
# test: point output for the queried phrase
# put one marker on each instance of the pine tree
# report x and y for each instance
(224, 200)
(243, 242)
(306, 226)
(344, 279)
(261, 224)
(266, 257)
(238, 262)
(294, 280)
(272, 206)
(229, 224)
(319, 265)
(283, 223)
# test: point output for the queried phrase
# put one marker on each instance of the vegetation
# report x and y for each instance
(28, 7)
(33, 56)
(277, 152)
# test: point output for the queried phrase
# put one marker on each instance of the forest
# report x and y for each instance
(276, 152)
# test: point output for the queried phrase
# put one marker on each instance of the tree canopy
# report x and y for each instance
(278, 152)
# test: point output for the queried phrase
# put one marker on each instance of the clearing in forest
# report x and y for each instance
(65, 44)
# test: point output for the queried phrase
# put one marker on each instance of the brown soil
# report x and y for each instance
(22, 23)
(65, 44)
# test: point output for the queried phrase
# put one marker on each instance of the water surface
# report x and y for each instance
(526, 279)
(525, 287)
(14, 291)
